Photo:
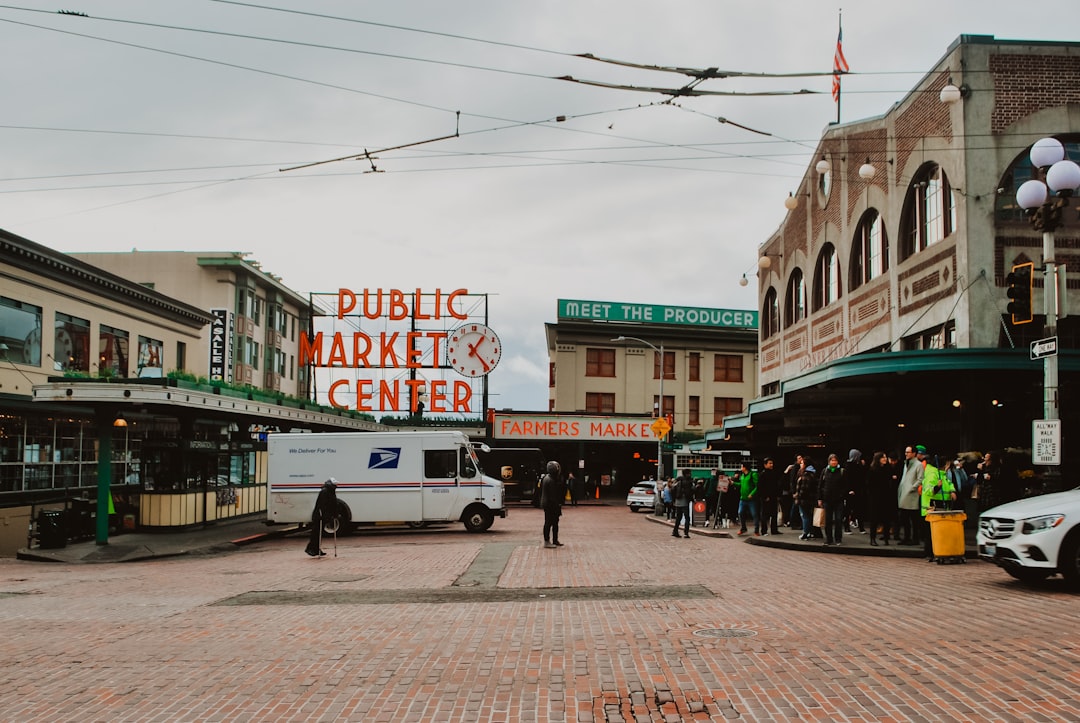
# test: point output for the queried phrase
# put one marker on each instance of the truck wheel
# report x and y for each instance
(342, 522)
(1069, 559)
(1027, 574)
(478, 519)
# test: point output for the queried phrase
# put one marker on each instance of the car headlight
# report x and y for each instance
(1041, 524)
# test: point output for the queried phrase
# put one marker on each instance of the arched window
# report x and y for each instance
(929, 211)
(770, 314)
(869, 250)
(795, 300)
(826, 277)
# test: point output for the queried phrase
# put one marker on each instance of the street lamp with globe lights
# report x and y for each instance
(659, 407)
(1044, 201)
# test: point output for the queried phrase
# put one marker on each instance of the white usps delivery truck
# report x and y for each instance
(410, 477)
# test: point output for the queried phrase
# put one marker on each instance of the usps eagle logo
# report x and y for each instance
(384, 458)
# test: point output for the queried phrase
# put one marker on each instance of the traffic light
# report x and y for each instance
(1019, 280)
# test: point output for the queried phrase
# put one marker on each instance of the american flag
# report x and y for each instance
(839, 65)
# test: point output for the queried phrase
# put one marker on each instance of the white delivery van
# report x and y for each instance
(409, 477)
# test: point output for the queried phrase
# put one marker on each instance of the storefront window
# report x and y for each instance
(113, 350)
(20, 332)
(71, 350)
(150, 353)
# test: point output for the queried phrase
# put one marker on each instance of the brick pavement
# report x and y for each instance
(780, 634)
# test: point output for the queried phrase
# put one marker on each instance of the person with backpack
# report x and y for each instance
(683, 495)
(833, 494)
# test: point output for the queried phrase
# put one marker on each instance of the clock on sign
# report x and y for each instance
(473, 350)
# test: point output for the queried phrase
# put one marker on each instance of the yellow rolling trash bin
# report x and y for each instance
(947, 535)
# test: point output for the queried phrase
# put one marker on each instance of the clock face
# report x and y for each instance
(473, 350)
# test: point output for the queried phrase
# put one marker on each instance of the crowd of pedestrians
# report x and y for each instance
(887, 496)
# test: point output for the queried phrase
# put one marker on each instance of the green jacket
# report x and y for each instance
(932, 478)
(747, 485)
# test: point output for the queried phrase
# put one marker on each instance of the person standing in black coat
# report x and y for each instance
(769, 494)
(881, 480)
(324, 515)
(832, 495)
(855, 476)
(552, 494)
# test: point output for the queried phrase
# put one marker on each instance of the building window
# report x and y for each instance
(795, 301)
(599, 403)
(727, 368)
(693, 363)
(113, 348)
(942, 336)
(71, 350)
(20, 332)
(693, 412)
(251, 352)
(600, 362)
(150, 355)
(869, 250)
(669, 405)
(551, 375)
(181, 355)
(669, 365)
(929, 214)
(770, 314)
(725, 407)
(826, 277)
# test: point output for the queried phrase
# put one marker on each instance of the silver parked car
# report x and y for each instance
(642, 496)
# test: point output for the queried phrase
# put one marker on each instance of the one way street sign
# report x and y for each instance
(1044, 348)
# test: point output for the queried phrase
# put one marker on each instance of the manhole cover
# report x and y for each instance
(724, 633)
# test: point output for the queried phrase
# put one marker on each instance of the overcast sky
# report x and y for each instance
(119, 132)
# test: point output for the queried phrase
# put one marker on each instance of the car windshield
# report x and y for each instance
(645, 485)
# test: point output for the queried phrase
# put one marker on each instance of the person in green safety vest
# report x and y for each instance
(937, 492)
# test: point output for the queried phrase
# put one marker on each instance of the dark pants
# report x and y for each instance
(551, 524)
(768, 515)
(314, 544)
(682, 512)
(879, 515)
(910, 524)
(835, 519)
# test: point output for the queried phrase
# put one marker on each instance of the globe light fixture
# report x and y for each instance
(1045, 198)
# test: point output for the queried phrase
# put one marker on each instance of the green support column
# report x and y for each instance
(104, 476)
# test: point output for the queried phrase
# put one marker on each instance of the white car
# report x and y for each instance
(1035, 537)
(642, 496)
